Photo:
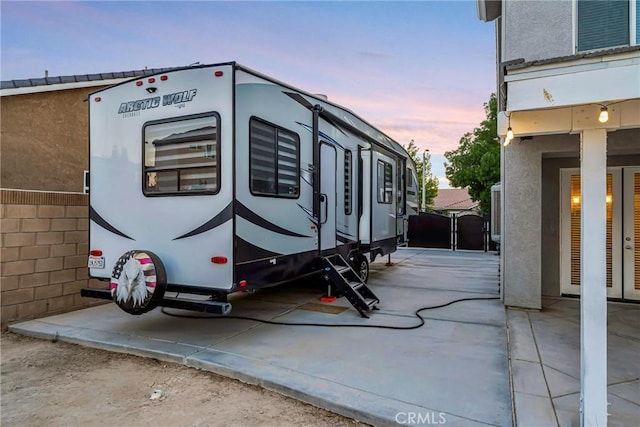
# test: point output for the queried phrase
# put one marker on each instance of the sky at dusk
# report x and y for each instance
(418, 70)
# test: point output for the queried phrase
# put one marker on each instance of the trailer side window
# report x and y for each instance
(274, 160)
(348, 181)
(409, 178)
(385, 182)
(181, 156)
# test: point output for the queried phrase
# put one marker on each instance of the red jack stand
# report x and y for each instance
(328, 297)
(389, 263)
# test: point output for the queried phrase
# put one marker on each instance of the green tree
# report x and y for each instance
(431, 183)
(475, 165)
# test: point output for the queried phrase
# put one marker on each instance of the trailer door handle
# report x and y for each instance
(323, 202)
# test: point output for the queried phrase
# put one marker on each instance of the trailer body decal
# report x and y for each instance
(256, 219)
(225, 215)
(95, 217)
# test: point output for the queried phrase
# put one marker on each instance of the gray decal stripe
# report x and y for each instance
(95, 217)
(246, 252)
(225, 215)
(299, 98)
(256, 219)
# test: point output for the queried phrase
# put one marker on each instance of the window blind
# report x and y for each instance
(602, 24)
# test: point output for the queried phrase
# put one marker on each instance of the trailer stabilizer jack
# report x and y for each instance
(202, 306)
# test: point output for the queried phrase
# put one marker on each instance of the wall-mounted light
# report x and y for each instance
(604, 115)
(509, 137)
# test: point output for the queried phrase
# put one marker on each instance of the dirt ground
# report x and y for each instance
(60, 384)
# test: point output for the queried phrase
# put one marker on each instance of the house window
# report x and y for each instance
(348, 181)
(181, 156)
(274, 160)
(576, 212)
(605, 24)
(385, 182)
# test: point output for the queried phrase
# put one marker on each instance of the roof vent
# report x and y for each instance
(321, 96)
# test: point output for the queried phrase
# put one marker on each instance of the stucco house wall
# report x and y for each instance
(45, 140)
(537, 29)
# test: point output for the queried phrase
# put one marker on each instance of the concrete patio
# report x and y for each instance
(545, 361)
(456, 368)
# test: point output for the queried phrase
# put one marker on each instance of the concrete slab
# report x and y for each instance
(528, 378)
(556, 339)
(534, 411)
(455, 366)
(622, 413)
(559, 383)
(629, 391)
(522, 346)
(624, 322)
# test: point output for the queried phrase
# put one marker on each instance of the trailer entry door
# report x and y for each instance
(328, 197)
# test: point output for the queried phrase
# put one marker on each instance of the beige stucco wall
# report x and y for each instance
(45, 140)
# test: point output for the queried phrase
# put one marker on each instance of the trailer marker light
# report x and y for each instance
(219, 73)
(219, 259)
(163, 78)
(151, 80)
(243, 283)
(139, 83)
(95, 252)
(98, 99)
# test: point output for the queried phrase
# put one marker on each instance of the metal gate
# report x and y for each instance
(470, 232)
(429, 230)
(467, 231)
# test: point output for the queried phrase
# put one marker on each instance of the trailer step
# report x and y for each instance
(349, 284)
(356, 285)
(344, 269)
(202, 306)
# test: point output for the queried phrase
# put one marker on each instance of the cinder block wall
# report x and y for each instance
(43, 263)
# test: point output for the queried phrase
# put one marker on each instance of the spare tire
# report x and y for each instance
(138, 281)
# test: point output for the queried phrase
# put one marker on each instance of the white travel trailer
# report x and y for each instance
(215, 179)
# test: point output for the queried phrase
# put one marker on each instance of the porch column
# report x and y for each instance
(593, 278)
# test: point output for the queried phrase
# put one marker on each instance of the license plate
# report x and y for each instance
(96, 262)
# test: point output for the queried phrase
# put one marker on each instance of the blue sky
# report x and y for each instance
(418, 70)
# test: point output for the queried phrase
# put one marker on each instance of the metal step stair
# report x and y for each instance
(347, 283)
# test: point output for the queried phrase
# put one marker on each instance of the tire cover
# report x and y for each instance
(138, 281)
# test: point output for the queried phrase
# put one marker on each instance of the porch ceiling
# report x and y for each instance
(601, 80)
(570, 119)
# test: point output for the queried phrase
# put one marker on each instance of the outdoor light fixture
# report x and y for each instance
(604, 115)
(509, 137)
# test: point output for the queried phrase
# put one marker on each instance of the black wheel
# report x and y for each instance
(138, 282)
(362, 267)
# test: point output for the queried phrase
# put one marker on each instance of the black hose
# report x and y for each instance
(339, 325)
